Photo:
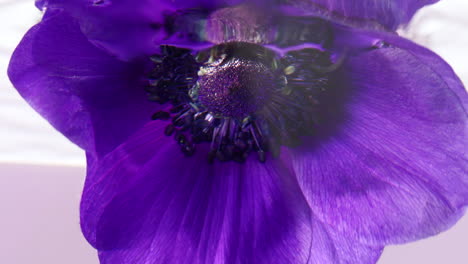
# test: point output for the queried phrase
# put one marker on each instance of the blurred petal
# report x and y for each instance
(394, 167)
(154, 205)
(123, 27)
(370, 14)
(130, 28)
(246, 23)
(92, 98)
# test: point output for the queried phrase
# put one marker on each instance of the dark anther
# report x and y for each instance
(169, 130)
(179, 122)
(181, 138)
(177, 109)
(261, 156)
(212, 155)
(161, 115)
(229, 151)
(188, 149)
(240, 157)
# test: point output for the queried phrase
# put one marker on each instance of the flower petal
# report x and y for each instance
(131, 29)
(330, 247)
(154, 205)
(394, 169)
(92, 98)
(370, 14)
(123, 27)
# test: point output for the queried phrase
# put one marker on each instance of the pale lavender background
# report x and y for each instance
(41, 173)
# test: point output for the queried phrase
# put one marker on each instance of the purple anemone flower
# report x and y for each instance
(294, 131)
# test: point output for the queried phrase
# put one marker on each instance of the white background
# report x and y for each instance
(41, 173)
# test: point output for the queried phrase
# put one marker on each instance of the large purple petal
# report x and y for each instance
(202, 215)
(124, 27)
(131, 28)
(395, 168)
(154, 205)
(370, 14)
(91, 97)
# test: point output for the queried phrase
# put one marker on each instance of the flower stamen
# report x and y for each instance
(238, 97)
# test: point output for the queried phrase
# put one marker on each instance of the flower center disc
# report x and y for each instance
(236, 88)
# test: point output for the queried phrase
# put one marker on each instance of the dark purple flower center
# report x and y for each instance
(236, 89)
(238, 97)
